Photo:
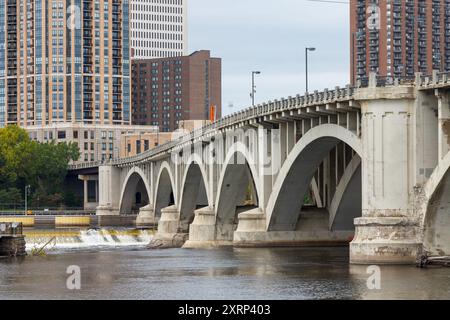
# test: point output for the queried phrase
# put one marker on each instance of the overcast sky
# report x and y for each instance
(270, 36)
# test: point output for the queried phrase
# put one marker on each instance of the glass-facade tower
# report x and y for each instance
(64, 61)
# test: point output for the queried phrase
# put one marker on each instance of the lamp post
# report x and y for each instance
(307, 49)
(252, 95)
(27, 189)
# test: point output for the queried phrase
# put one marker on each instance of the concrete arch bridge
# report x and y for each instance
(366, 165)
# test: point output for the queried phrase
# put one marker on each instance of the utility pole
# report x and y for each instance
(307, 49)
(27, 188)
(252, 95)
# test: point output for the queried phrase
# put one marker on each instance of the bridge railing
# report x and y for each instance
(240, 116)
(283, 104)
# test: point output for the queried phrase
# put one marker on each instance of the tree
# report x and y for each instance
(41, 165)
(16, 149)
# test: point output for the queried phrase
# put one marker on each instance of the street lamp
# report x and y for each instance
(307, 49)
(27, 189)
(252, 95)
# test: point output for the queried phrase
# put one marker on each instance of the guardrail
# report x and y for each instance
(46, 213)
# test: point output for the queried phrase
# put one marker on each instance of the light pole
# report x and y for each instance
(27, 189)
(252, 95)
(307, 49)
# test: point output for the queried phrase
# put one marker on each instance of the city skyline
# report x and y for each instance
(271, 37)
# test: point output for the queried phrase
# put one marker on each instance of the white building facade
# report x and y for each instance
(158, 28)
(96, 142)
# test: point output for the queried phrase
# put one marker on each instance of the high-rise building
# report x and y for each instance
(169, 90)
(397, 38)
(158, 28)
(64, 61)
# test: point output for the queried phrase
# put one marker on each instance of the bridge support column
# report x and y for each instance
(202, 232)
(146, 216)
(251, 227)
(388, 231)
(109, 191)
(168, 226)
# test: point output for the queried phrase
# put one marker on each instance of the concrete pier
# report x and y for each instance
(12, 241)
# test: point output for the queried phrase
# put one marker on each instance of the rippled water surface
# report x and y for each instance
(279, 273)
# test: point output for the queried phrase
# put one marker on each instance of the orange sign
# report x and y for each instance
(212, 113)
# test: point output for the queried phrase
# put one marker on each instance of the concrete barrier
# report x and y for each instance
(25, 221)
(72, 221)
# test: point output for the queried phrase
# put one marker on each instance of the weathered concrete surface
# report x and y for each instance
(168, 235)
(146, 217)
(312, 230)
(202, 232)
(12, 242)
(437, 221)
(109, 195)
(385, 240)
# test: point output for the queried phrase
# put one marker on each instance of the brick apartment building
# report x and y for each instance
(166, 91)
(397, 38)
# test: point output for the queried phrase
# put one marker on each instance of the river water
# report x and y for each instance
(120, 272)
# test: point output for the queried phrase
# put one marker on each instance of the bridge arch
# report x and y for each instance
(165, 193)
(295, 176)
(238, 175)
(436, 217)
(135, 193)
(195, 191)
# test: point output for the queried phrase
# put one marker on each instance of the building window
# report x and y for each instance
(61, 134)
(146, 145)
(75, 134)
(138, 146)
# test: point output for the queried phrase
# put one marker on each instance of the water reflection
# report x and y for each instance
(278, 273)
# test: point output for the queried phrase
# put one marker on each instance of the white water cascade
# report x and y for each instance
(87, 239)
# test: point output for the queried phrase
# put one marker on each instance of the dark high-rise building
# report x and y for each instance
(397, 38)
(168, 90)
